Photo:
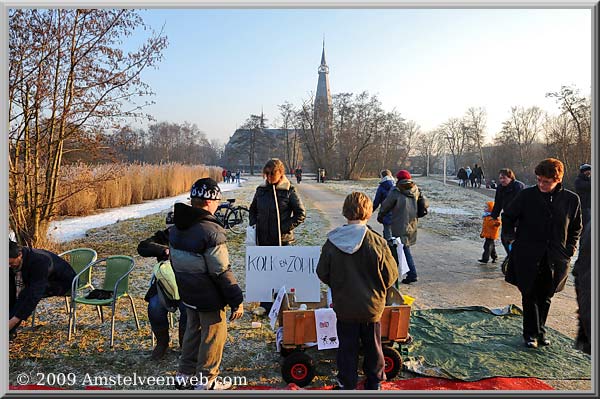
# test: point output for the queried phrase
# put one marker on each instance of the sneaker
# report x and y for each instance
(531, 343)
(542, 340)
(483, 262)
(409, 280)
(494, 259)
(214, 385)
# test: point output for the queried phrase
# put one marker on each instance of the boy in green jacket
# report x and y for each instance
(359, 267)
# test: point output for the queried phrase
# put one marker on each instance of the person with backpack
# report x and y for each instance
(386, 184)
(158, 311)
(407, 204)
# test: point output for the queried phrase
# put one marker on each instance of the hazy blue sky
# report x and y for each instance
(429, 64)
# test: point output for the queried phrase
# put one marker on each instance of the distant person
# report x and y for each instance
(543, 223)
(583, 188)
(470, 176)
(238, 174)
(158, 315)
(583, 288)
(322, 175)
(505, 193)
(478, 171)
(462, 177)
(224, 174)
(386, 184)
(298, 174)
(206, 283)
(229, 177)
(492, 184)
(276, 210)
(358, 266)
(404, 201)
(491, 232)
(34, 274)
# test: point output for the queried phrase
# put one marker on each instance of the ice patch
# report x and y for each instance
(71, 228)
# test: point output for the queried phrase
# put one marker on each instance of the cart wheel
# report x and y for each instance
(298, 368)
(393, 362)
(285, 352)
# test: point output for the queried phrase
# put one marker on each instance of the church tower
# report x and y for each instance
(323, 117)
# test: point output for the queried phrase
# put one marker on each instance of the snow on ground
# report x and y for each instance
(71, 228)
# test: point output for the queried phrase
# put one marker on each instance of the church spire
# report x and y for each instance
(323, 55)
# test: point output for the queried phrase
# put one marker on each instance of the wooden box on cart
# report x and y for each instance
(299, 325)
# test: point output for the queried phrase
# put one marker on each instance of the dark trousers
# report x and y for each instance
(159, 316)
(536, 302)
(350, 336)
(489, 248)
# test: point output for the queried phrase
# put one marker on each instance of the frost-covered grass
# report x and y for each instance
(250, 352)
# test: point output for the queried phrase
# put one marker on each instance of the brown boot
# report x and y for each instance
(162, 344)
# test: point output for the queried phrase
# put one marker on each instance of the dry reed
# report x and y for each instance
(87, 188)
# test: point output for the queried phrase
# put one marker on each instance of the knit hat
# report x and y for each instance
(585, 167)
(403, 175)
(13, 249)
(206, 188)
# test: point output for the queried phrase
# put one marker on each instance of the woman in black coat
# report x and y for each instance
(543, 223)
(276, 210)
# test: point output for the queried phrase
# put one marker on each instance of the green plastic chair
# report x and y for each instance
(116, 279)
(79, 259)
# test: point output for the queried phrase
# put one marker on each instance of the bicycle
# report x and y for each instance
(234, 218)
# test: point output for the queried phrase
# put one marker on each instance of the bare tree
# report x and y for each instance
(520, 132)
(256, 124)
(454, 131)
(68, 78)
(475, 120)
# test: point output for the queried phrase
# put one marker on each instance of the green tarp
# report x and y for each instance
(471, 343)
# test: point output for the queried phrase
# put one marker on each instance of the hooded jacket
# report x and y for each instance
(491, 226)
(200, 261)
(44, 273)
(402, 203)
(359, 267)
(263, 212)
(385, 186)
(542, 224)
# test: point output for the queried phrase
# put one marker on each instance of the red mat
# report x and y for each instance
(433, 384)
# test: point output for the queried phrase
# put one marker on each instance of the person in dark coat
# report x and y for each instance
(583, 188)
(583, 288)
(206, 283)
(462, 177)
(386, 184)
(34, 274)
(507, 190)
(543, 223)
(276, 210)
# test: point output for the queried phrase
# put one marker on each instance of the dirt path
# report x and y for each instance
(450, 276)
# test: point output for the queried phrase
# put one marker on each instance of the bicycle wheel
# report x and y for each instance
(220, 214)
(237, 220)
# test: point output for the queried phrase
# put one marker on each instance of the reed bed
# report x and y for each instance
(85, 188)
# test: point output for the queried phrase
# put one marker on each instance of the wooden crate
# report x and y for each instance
(299, 325)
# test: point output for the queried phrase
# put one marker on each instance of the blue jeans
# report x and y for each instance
(158, 315)
(412, 270)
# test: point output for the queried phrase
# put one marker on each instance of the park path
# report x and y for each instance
(448, 272)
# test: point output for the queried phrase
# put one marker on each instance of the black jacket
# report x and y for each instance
(263, 212)
(44, 274)
(583, 188)
(504, 196)
(548, 224)
(154, 247)
(200, 261)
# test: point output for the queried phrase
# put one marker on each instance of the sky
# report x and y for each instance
(221, 65)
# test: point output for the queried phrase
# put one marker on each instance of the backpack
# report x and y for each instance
(166, 285)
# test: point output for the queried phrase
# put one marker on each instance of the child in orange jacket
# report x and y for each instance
(490, 231)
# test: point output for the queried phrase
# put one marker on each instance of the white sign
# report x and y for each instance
(268, 268)
(274, 313)
(326, 324)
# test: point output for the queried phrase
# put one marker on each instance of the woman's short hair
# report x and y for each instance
(551, 168)
(507, 172)
(274, 165)
(357, 206)
(385, 172)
